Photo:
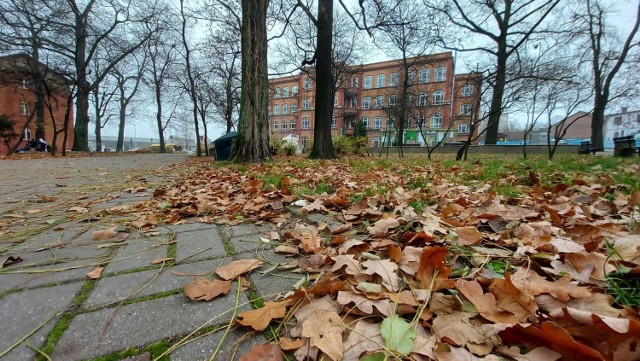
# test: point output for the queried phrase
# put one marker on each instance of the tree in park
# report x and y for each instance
(606, 56)
(252, 143)
(506, 25)
(6, 130)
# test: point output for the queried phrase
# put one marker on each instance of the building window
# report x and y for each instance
(380, 81)
(377, 122)
(441, 73)
(294, 107)
(438, 97)
(285, 108)
(420, 121)
(354, 103)
(379, 101)
(467, 90)
(276, 109)
(305, 123)
(436, 121)
(391, 121)
(334, 124)
(366, 102)
(408, 99)
(27, 134)
(305, 142)
(294, 90)
(412, 77)
(292, 125)
(393, 79)
(24, 84)
(616, 134)
(285, 92)
(392, 99)
(335, 101)
(284, 125)
(408, 122)
(365, 121)
(306, 104)
(307, 84)
(354, 82)
(276, 126)
(423, 76)
(367, 82)
(376, 142)
(463, 128)
(24, 108)
(465, 109)
(422, 99)
(617, 121)
(276, 93)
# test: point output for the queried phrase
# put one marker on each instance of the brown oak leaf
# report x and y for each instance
(325, 332)
(237, 268)
(204, 290)
(386, 270)
(382, 226)
(433, 268)
(260, 318)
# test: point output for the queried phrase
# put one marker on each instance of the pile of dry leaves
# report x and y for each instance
(445, 271)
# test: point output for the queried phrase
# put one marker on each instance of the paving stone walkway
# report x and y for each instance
(136, 310)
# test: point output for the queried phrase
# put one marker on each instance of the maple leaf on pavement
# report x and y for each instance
(260, 318)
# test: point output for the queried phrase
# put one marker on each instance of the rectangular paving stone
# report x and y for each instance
(22, 312)
(246, 229)
(139, 324)
(200, 244)
(238, 342)
(116, 288)
(138, 252)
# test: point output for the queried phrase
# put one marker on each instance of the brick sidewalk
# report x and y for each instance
(136, 310)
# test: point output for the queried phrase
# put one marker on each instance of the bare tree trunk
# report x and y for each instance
(322, 144)
(496, 101)
(252, 143)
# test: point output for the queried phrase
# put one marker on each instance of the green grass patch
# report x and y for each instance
(269, 180)
(157, 349)
(625, 289)
(118, 355)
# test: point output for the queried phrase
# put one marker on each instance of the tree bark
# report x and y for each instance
(252, 143)
(498, 93)
(81, 129)
(322, 143)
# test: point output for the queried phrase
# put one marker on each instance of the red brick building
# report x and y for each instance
(18, 99)
(438, 101)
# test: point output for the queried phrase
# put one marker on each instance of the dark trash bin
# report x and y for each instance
(223, 145)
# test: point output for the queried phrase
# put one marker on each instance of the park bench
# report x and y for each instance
(585, 148)
(624, 146)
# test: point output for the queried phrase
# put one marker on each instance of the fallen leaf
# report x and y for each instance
(162, 260)
(324, 329)
(237, 268)
(386, 270)
(382, 226)
(398, 334)
(534, 284)
(76, 209)
(288, 344)
(286, 249)
(467, 236)
(34, 211)
(353, 266)
(46, 198)
(433, 268)
(537, 354)
(260, 318)
(95, 273)
(9, 260)
(269, 352)
(365, 304)
(365, 337)
(485, 303)
(104, 234)
(204, 290)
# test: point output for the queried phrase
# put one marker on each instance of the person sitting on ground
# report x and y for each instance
(42, 145)
(31, 145)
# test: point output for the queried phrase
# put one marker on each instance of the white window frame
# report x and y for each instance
(276, 126)
(375, 142)
(438, 97)
(368, 82)
(292, 125)
(305, 141)
(284, 125)
(366, 102)
(335, 101)
(423, 76)
(285, 92)
(27, 134)
(467, 90)
(422, 99)
(306, 123)
(441, 73)
(355, 81)
(365, 121)
(306, 104)
(285, 108)
(465, 109)
(354, 103)
(276, 109)
(421, 120)
(436, 120)
(294, 89)
(377, 122)
(412, 77)
(24, 84)
(379, 102)
(393, 79)
(334, 123)
(24, 107)
(463, 128)
(276, 92)
(380, 81)
(392, 99)
(307, 84)
(294, 108)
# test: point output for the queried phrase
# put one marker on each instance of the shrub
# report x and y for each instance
(343, 145)
(289, 149)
